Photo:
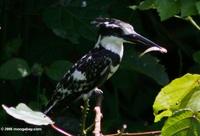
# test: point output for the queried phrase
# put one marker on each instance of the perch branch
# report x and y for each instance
(137, 134)
(98, 114)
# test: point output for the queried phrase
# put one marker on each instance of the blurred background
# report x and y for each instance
(41, 39)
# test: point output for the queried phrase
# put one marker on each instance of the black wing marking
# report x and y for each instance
(96, 68)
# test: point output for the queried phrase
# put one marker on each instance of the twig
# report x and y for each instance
(84, 111)
(137, 134)
(190, 19)
(89, 128)
(60, 130)
(121, 132)
(98, 116)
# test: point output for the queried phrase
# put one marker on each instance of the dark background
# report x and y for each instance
(42, 38)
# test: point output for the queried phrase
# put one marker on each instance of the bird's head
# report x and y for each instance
(125, 32)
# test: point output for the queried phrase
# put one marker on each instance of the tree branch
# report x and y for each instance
(191, 20)
(98, 116)
(84, 110)
(137, 134)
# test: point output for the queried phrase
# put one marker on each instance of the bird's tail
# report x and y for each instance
(60, 102)
(52, 104)
(49, 106)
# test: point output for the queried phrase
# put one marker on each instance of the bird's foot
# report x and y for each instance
(98, 91)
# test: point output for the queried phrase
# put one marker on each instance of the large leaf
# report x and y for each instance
(14, 69)
(57, 69)
(146, 65)
(188, 8)
(198, 6)
(167, 8)
(182, 123)
(183, 92)
(11, 48)
(72, 21)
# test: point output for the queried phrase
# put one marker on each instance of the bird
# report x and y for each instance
(101, 62)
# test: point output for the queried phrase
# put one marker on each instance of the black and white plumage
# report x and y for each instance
(99, 64)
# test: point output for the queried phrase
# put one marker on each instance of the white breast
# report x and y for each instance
(113, 44)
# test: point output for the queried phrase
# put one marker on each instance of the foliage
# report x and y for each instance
(147, 65)
(14, 69)
(166, 9)
(180, 93)
(169, 8)
(182, 122)
(179, 101)
(41, 38)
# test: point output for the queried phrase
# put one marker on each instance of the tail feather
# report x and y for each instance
(59, 103)
(53, 102)
(50, 106)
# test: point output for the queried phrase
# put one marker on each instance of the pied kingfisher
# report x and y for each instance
(100, 63)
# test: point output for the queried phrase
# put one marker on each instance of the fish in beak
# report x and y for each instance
(137, 38)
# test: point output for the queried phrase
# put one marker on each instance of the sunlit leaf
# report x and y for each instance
(23, 112)
(14, 69)
(182, 92)
(182, 123)
(193, 101)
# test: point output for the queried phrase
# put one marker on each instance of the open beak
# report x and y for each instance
(137, 38)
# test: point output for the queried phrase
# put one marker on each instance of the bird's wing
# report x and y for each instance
(86, 74)
(89, 72)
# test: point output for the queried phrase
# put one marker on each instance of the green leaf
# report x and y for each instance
(11, 48)
(72, 22)
(167, 8)
(198, 6)
(144, 5)
(182, 123)
(147, 4)
(57, 69)
(196, 57)
(146, 65)
(14, 69)
(188, 8)
(182, 92)
(37, 69)
(194, 100)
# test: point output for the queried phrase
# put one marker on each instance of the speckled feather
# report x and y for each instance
(95, 66)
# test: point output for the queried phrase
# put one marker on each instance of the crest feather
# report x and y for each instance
(106, 22)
